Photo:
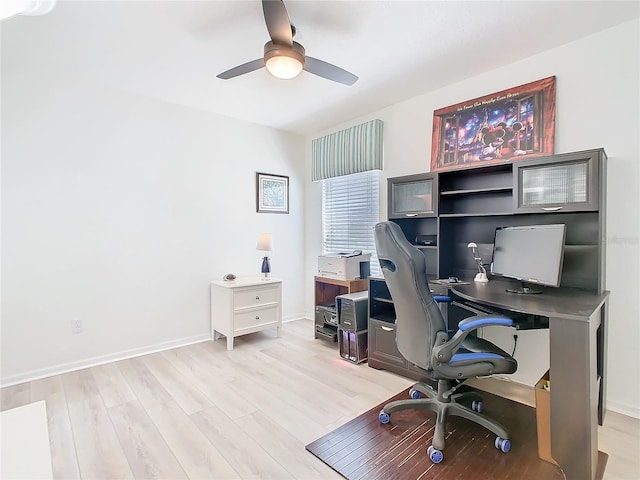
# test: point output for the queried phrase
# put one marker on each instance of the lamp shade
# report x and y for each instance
(284, 67)
(265, 243)
(284, 61)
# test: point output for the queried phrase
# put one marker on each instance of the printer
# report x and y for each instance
(344, 266)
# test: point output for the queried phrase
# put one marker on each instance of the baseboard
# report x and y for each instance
(94, 361)
(113, 357)
(293, 318)
(623, 409)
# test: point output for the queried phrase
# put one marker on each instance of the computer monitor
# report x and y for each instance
(532, 254)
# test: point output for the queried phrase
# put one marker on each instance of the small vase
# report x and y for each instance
(266, 269)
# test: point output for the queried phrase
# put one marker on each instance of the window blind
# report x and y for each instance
(350, 210)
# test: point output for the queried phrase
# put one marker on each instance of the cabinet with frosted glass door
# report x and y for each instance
(413, 196)
(562, 183)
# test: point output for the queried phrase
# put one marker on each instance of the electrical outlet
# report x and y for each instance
(76, 326)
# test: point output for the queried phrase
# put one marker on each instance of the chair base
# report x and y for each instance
(445, 405)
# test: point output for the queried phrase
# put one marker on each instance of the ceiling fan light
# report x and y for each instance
(284, 61)
(284, 67)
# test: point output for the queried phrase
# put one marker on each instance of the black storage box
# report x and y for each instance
(353, 345)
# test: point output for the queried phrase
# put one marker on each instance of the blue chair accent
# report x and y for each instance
(442, 298)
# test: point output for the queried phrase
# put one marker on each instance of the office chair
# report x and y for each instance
(422, 338)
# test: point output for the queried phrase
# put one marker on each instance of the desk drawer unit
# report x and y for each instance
(382, 345)
(245, 305)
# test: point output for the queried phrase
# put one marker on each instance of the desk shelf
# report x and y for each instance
(474, 191)
(388, 317)
(384, 300)
(466, 215)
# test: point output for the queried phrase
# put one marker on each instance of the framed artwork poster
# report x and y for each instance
(272, 193)
(503, 126)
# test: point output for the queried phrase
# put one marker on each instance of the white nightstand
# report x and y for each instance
(245, 305)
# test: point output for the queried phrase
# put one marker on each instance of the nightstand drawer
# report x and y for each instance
(255, 318)
(255, 297)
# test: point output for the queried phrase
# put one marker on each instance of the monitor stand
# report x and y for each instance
(524, 289)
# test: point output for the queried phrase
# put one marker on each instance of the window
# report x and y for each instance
(349, 213)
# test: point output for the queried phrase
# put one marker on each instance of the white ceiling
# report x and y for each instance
(173, 50)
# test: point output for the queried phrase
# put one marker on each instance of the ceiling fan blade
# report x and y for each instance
(242, 69)
(277, 20)
(329, 71)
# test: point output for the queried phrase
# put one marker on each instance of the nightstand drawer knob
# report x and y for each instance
(257, 297)
(257, 317)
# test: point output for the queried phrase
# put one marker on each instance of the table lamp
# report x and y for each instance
(481, 276)
(265, 244)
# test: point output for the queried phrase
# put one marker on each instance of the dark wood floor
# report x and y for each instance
(365, 449)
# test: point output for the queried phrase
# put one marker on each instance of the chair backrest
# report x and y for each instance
(418, 317)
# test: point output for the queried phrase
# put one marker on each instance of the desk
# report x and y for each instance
(577, 333)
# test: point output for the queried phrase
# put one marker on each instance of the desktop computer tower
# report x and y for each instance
(353, 321)
(352, 310)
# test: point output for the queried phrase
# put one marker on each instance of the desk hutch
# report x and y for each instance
(463, 206)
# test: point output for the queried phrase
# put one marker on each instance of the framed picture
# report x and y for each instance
(507, 125)
(272, 193)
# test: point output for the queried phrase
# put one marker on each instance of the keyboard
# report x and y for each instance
(479, 308)
(520, 321)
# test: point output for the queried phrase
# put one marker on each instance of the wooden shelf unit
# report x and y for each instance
(326, 291)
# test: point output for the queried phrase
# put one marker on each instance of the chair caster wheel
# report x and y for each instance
(477, 406)
(436, 456)
(384, 417)
(503, 444)
(415, 394)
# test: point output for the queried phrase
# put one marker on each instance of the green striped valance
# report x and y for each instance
(353, 150)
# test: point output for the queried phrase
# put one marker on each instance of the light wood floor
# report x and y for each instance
(202, 412)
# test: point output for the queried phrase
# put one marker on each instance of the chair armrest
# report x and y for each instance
(444, 352)
(473, 323)
(442, 298)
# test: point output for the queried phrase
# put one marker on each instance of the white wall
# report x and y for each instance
(598, 105)
(118, 210)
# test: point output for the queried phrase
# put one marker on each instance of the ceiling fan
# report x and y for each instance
(283, 57)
